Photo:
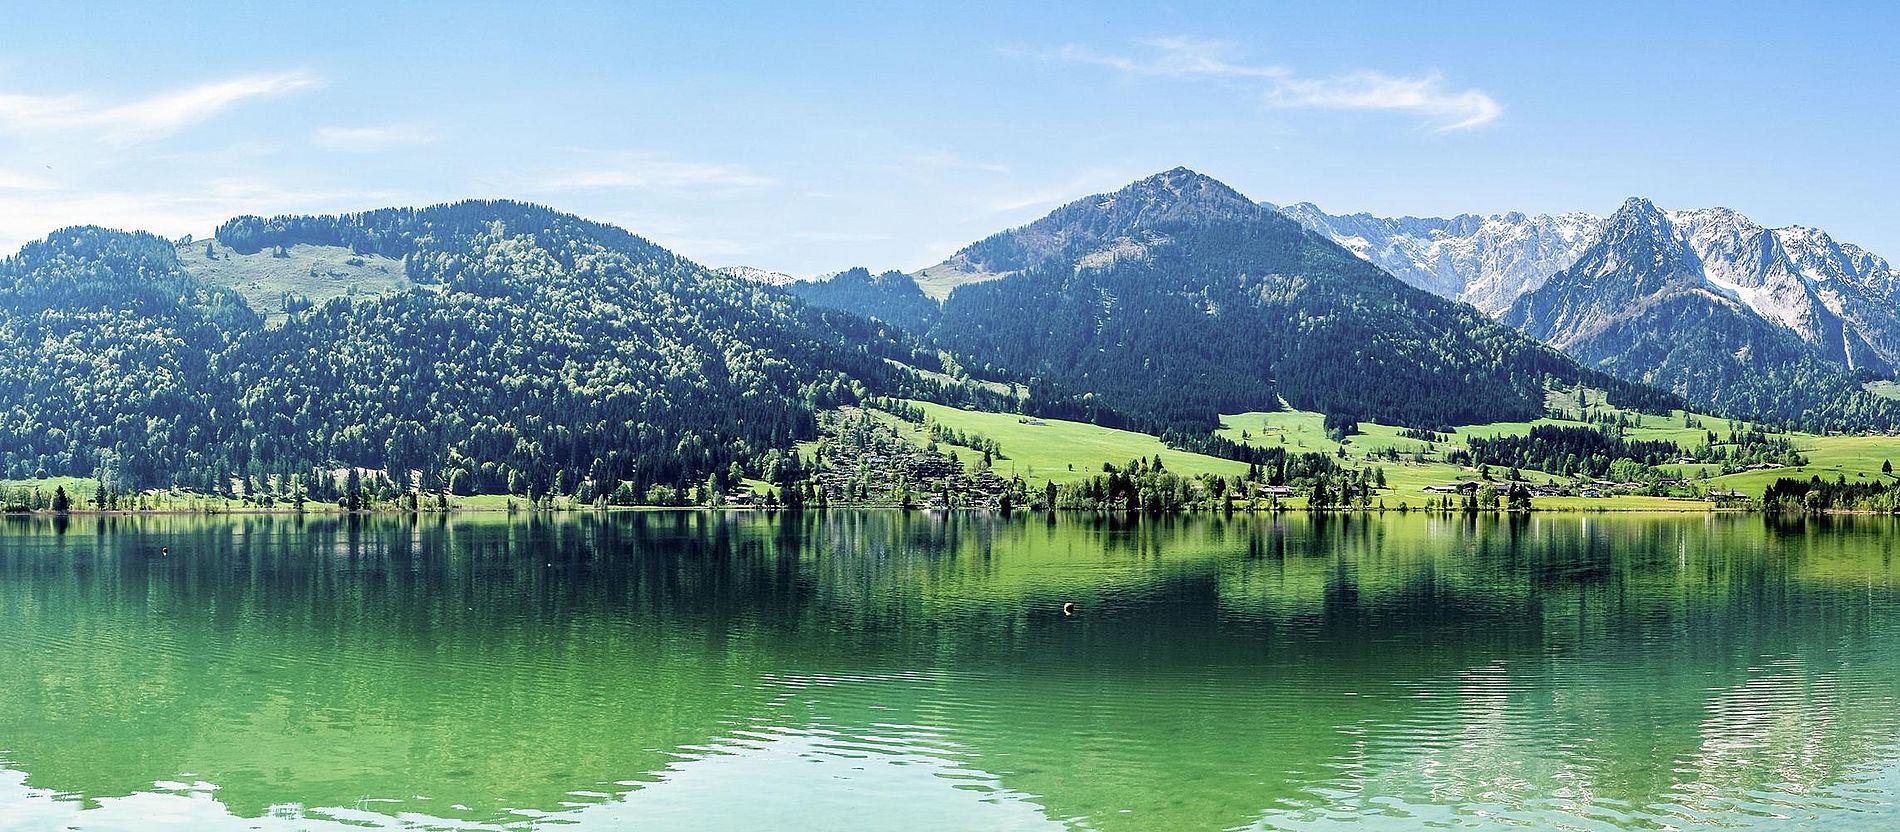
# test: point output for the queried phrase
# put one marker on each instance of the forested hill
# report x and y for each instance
(1176, 299)
(113, 358)
(892, 297)
(537, 351)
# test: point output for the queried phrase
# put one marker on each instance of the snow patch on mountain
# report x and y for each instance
(757, 275)
(1485, 261)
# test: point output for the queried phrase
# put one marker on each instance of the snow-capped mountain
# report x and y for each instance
(1835, 296)
(757, 275)
(1714, 308)
(1484, 261)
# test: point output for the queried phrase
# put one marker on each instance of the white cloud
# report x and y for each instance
(1368, 90)
(373, 139)
(145, 118)
(1425, 95)
(1173, 56)
(648, 173)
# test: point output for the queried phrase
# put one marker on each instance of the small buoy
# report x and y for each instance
(1068, 607)
(165, 551)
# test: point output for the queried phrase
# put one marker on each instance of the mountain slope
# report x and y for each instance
(1835, 297)
(1642, 305)
(1177, 298)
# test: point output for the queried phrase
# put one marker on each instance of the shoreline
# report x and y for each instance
(275, 512)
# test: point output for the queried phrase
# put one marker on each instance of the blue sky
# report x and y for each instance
(871, 134)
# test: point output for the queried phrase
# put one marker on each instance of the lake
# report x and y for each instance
(883, 671)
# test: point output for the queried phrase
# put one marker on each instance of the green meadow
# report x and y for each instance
(1062, 451)
(1054, 450)
(317, 273)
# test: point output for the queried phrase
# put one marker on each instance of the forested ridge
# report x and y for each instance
(542, 352)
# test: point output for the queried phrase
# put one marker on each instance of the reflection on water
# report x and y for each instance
(884, 671)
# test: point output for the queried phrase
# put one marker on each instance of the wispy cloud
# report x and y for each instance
(642, 172)
(146, 118)
(1428, 95)
(374, 139)
(15, 181)
(1172, 56)
(1370, 90)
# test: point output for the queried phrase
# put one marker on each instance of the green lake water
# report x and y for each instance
(880, 671)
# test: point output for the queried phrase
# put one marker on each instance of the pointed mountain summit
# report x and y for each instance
(1179, 195)
(1637, 256)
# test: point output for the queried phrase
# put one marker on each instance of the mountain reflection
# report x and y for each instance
(886, 670)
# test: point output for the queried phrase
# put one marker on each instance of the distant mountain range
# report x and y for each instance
(1484, 261)
(1835, 296)
(1782, 323)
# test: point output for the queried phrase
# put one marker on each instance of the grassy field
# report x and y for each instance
(1064, 451)
(1884, 389)
(81, 488)
(1061, 451)
(1303, 431)
(952, 381)
(939, 281)
(316, 272)
(1850, 457)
